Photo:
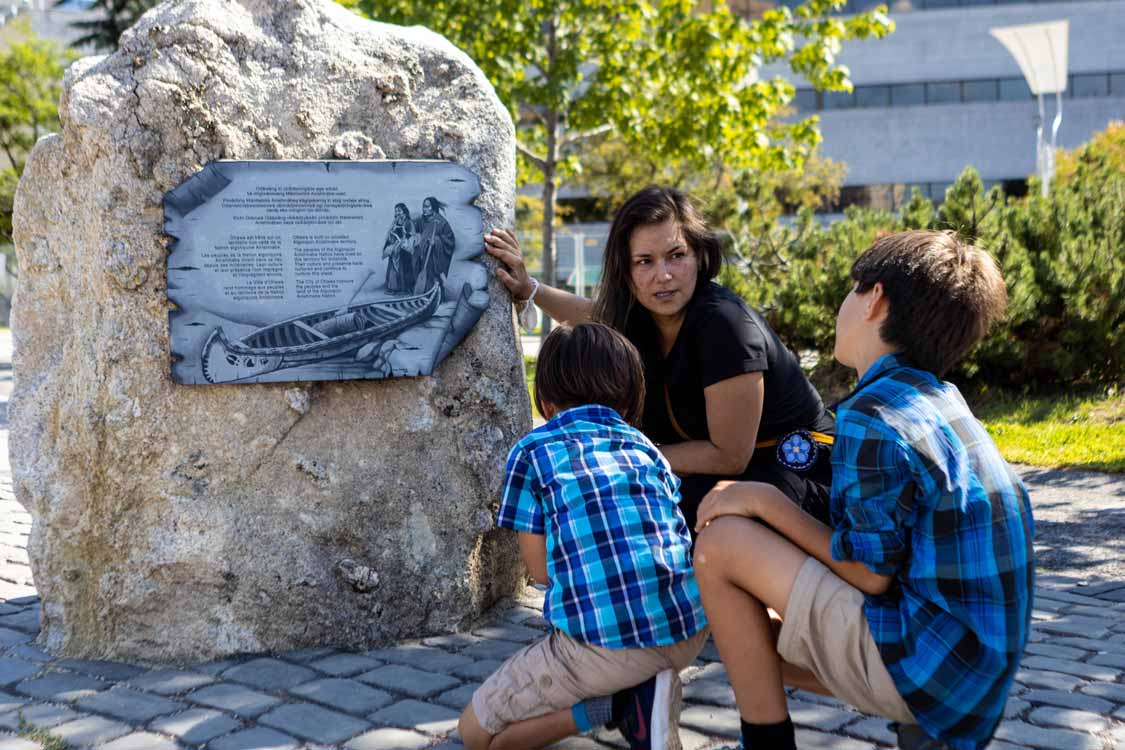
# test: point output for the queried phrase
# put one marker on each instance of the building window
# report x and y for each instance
(1117, 84)
(907, 94)
(1014, 90)
(943, 93)
(872, 96)
(1096, 84)
(806, 100)
(979, 91)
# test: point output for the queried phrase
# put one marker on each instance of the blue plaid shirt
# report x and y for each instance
(618, 548)
(920, 492)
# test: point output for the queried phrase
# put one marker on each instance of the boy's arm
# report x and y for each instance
(766, 503)
(533, 550)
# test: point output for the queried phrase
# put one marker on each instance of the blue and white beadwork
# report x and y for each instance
(797, 451)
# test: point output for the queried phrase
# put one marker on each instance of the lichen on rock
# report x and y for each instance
(175, 523)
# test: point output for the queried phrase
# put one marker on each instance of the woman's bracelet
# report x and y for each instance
(534, 290)
(529, 316)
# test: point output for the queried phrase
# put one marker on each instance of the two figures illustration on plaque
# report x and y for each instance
(418, 250)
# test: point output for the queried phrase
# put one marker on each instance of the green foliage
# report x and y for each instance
(31, 72)
(116, 15)
(1061, 258)
(672, 83)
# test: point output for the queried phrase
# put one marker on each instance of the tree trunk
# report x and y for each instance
(550, 188)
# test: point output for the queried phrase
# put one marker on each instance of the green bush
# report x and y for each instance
(1062, 257)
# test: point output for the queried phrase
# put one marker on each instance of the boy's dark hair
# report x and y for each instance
(590, 363)
(943, 295)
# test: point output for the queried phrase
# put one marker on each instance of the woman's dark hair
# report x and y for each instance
(590, 363)
(405, 210)
(652, 205)
(943, 295)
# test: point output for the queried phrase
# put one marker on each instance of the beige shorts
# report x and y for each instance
(825, 631)
(558, 672)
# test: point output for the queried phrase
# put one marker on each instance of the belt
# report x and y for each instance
(818, 437)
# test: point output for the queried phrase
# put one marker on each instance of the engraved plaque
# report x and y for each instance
(333, 270)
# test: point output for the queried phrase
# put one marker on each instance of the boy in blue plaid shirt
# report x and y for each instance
(596, 508)
(916, 604)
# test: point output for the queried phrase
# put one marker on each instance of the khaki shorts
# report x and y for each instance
(825, 631)
(558, 672)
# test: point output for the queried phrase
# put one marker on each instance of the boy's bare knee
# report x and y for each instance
(720, 543)
(473, 734)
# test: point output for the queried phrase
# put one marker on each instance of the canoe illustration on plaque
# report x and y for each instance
(291, 271)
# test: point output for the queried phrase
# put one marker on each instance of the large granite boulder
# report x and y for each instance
(177, 523)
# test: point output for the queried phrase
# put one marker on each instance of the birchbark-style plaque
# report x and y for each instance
(334, 270)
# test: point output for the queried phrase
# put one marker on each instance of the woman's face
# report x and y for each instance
(400, 215)
(663, 268)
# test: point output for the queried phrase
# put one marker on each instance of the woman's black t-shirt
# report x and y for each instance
(720, 338)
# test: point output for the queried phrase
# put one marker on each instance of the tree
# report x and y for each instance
(117, 15)
(674, 82)
(31, 71)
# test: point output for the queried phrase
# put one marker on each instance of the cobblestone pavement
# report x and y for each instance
(1070, 691)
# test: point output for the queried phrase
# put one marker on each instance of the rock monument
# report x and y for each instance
(175, 523)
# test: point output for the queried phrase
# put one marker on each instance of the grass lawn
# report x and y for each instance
(1077, 431)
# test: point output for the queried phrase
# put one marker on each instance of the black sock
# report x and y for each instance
(620, 703)
(777, 736)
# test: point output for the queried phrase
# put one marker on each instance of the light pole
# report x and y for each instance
(1040, 50)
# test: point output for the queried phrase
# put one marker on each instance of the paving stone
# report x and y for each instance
(422, 657)
(711, 692)
(43, 715)
(1073, 626)
(1110, 691)
(216, 667)
(492, 650)
(30, 652)
(345, 665)
(419, 716)
(1022, 733)
(14, 670)
(1114, 661)
(9, 637)
(344, 695)
(1065, 596)
(458, 697)
(1097, 589)
(1014, 707)
(823, 700)
(1077, 701)
(314, 722)
(1051, 680)
(269, 674)
(1050, 605)
(453, 640)
(509, 632)
(712, 720)
(170, 681)
(413, 682)
(141, 741)
(18, 743)
(129, 705)
(90, 730)
(26, 620)
(1068, 718)
(234, 699)
(1056, 652)
(1097, 646)
(61, 686)
(1002, 745)
(808, 739)
(710, 652)
(387, 738)
(519, 614)
(196, 726)
(258, 738)
(10, 702)
(876, 729)
(304, 655)
(1077, 668)
(818, 716)
(113, 671)
(478, 670)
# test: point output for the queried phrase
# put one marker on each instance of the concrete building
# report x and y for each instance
(940, 94)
